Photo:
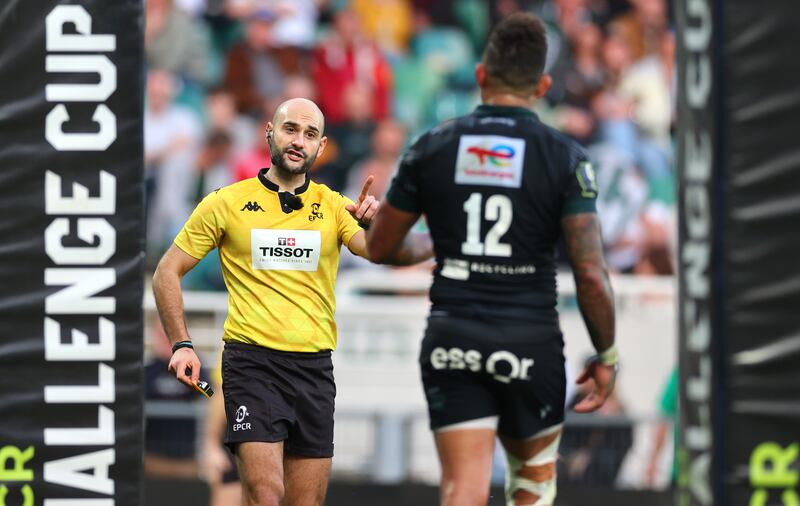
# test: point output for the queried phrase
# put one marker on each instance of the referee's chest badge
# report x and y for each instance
(285, 250)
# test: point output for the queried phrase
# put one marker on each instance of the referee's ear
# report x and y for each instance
(544, 84)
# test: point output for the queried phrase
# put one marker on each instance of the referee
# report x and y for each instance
(279, 235)
(498, 188)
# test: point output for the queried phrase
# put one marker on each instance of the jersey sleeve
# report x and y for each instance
(204, 229)
(580, 190)
(404, 190)
(346, 224)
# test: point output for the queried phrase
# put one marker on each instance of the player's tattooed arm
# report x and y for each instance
(595, 297)
(389, 240)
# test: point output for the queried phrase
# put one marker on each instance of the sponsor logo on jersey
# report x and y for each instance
(315, 212)
(490, 160)
(498, 155)
(458, 269)
(285, 250)
(252, 206)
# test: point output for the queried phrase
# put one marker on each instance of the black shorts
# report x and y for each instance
(474, 369)
(273, 396)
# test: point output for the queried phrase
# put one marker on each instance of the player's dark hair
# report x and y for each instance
(515, 52)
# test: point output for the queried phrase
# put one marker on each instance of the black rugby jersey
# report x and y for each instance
(494, 186)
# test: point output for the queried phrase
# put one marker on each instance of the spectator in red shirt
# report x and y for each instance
(346, 58)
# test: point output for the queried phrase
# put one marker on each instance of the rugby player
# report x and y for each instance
(498, 188)
(279, 235)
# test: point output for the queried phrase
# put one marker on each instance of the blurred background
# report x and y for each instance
(382, 71)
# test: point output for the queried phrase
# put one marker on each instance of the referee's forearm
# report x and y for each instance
(169, 302)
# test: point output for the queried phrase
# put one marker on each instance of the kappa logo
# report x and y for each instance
(315, 213)
(252, 206)
(286, 241)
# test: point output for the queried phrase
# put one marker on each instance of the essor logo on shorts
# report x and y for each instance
(241, 414)
(285, 250)
(503, 365)
(490, 160)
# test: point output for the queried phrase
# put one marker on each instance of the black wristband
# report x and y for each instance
(182, 344)
(363, 225)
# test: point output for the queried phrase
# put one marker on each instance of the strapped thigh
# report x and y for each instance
(544, 490)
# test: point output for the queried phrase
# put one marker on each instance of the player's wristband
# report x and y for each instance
(363, 225)
(182, 344)
(609, 357)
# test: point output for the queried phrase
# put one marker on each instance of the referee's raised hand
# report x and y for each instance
(185, 365)
(366, 206)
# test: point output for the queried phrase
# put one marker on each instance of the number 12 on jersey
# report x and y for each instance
(498, 209)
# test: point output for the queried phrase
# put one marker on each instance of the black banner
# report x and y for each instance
(739, 169)
(762, 245)
(71, 263)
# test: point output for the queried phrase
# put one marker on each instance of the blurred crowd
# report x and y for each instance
(384, 70)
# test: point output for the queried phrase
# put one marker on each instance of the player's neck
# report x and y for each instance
(286, 181)
(507, 99)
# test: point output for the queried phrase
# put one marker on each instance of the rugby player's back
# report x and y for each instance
(494, 186)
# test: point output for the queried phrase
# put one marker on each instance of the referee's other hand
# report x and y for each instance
(186, 366)
(603, 377)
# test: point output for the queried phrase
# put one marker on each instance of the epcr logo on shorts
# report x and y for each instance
(241, 413)
(456, 358)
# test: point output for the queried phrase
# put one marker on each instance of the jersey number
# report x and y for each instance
(498, 209)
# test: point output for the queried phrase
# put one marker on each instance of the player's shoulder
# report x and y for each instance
(565, 147)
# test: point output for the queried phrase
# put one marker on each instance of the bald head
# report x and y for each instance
(300, 110)
(295, 136)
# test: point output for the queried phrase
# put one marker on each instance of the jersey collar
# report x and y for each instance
(269, 185)
(504, 110)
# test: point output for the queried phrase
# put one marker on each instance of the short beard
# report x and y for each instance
(276, 155)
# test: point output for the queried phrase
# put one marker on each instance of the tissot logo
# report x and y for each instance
(296, 250)
(252, 206)
(315, 213)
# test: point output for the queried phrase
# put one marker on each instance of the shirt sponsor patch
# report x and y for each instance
(490, 160)
(285, 250)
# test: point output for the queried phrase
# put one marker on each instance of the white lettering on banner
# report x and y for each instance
(456, 358)
(490, 160)
(285, 250)
(80, 240)
(68, 472)
(695, 259)
(88, 230)
(83, 41)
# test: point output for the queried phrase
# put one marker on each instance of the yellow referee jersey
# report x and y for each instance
(279, 264)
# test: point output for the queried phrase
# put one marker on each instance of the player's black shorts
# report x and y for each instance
(275, 396)
(474, 369)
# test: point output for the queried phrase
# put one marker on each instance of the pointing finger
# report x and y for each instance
(365, 188)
